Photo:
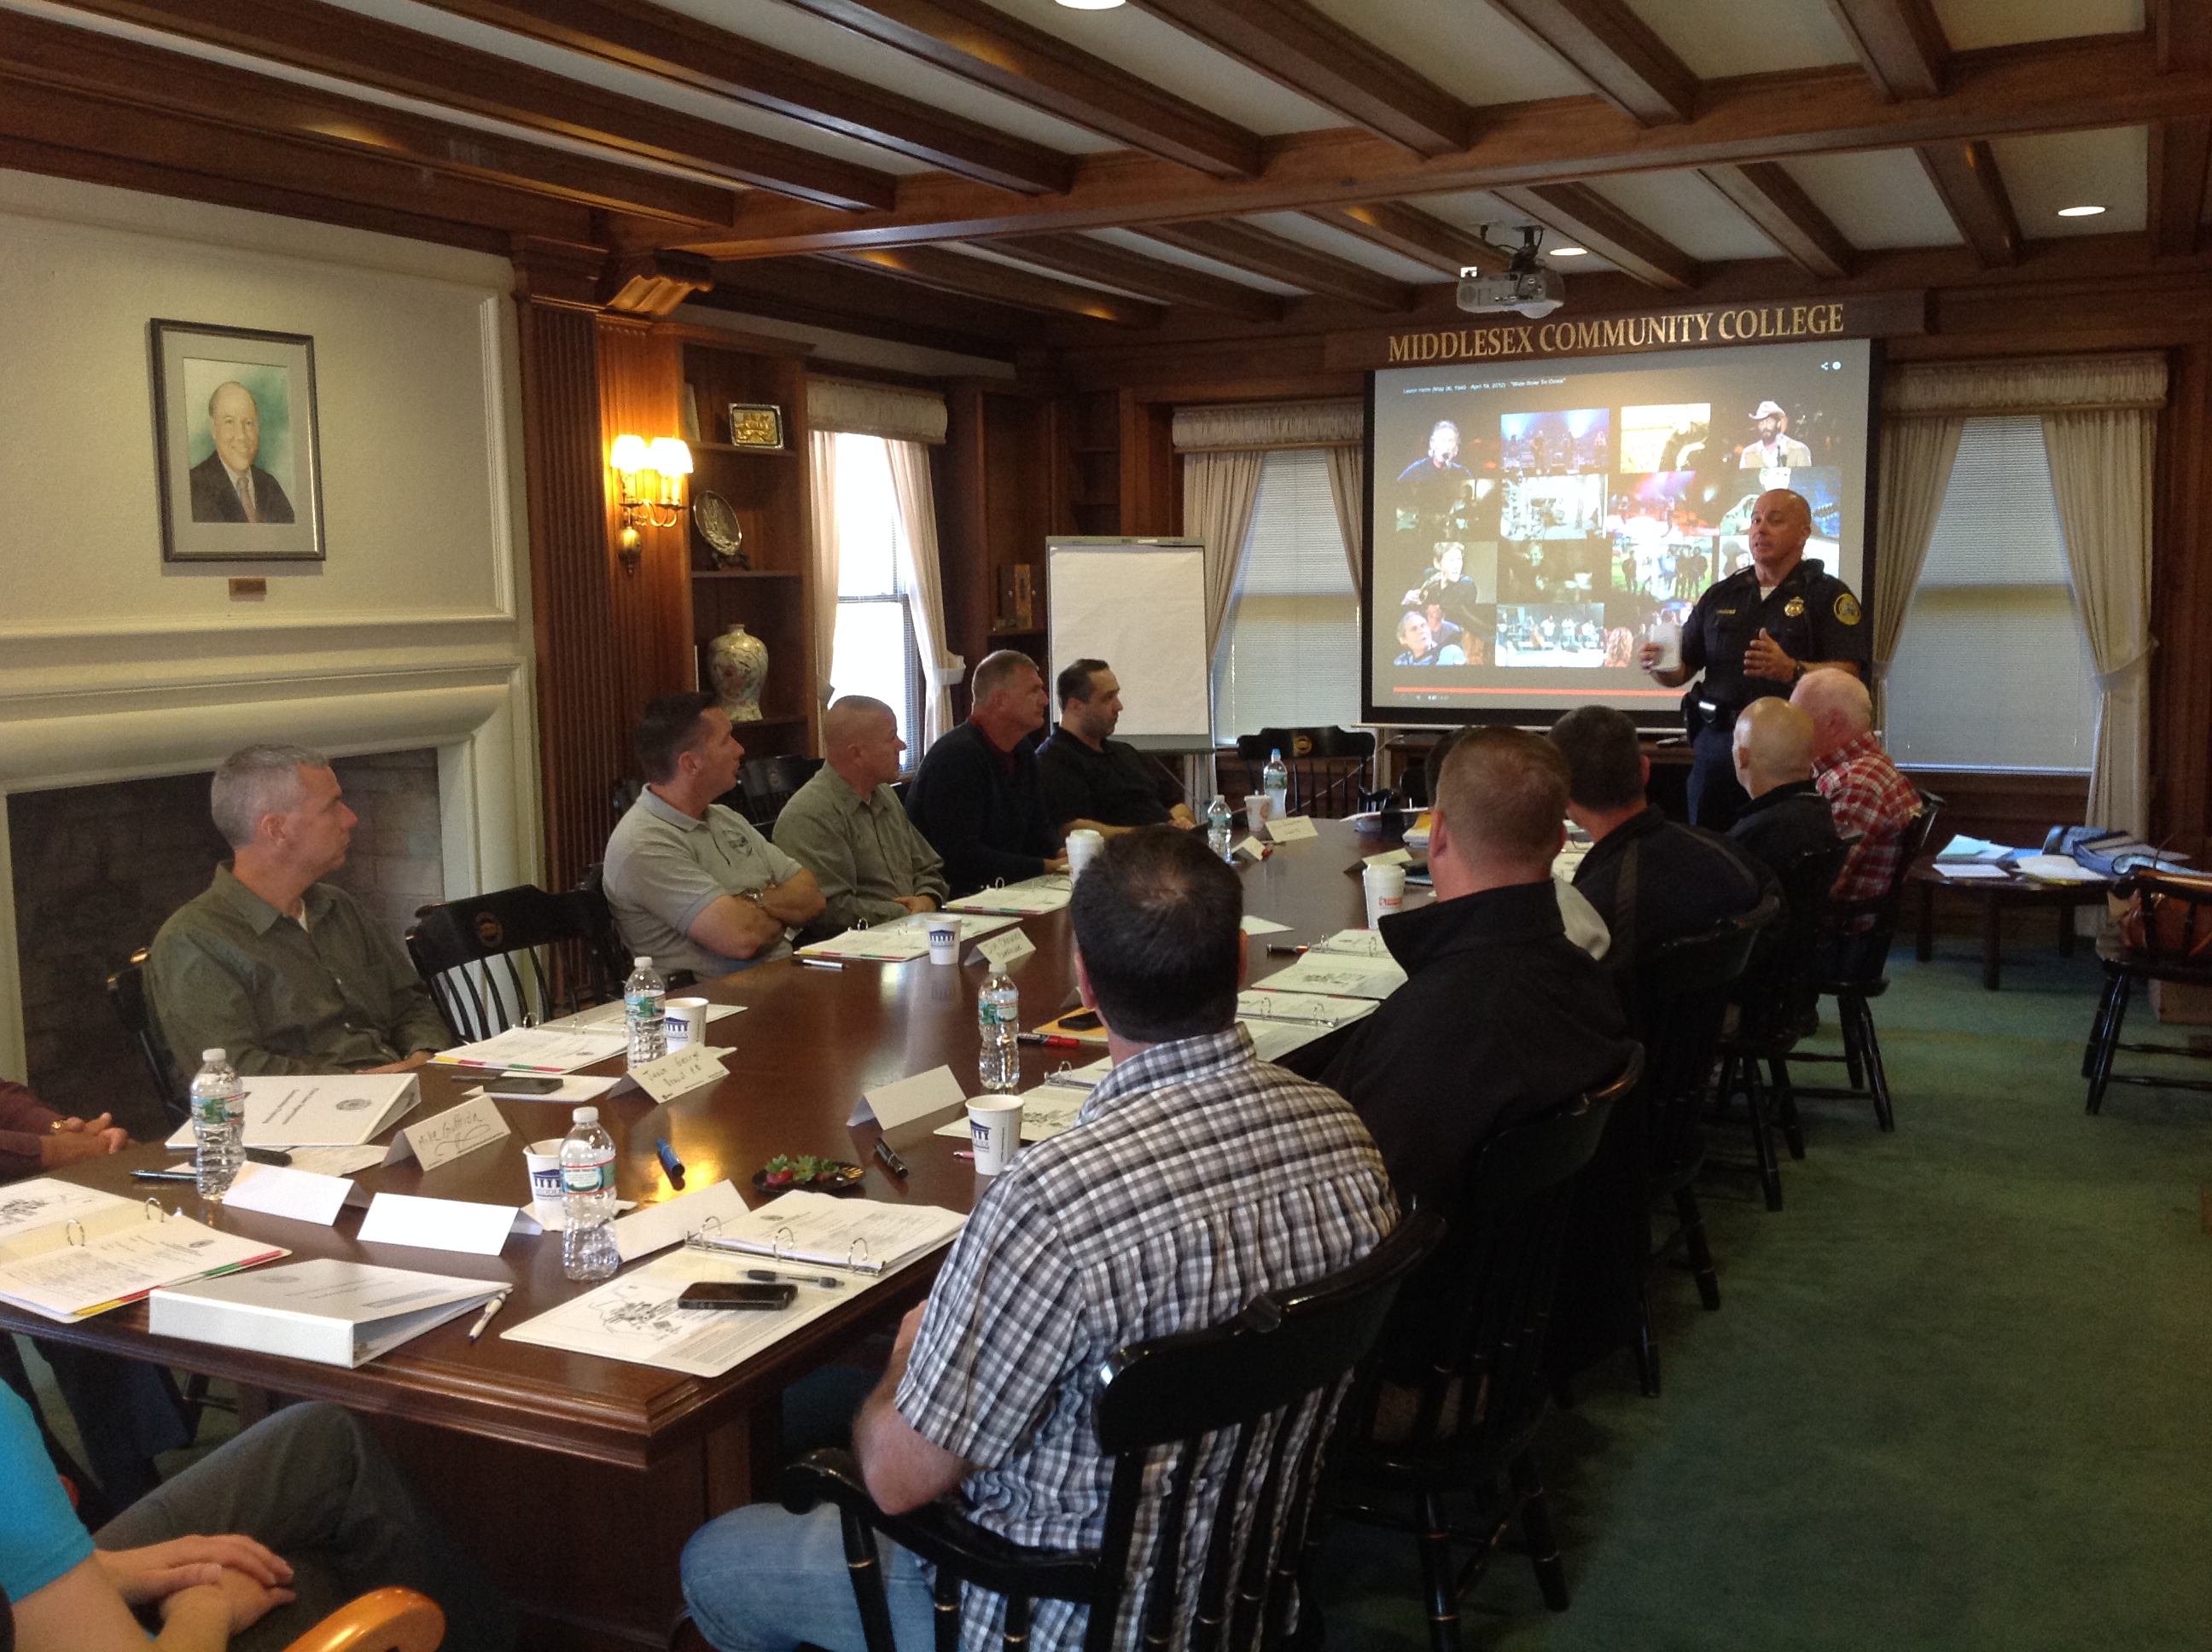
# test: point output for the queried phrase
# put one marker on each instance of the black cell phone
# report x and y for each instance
(523, 1086)
(713, 1293)
(1082, 1021)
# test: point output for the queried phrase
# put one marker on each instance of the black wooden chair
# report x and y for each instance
(512, 957)
(2170, 940)
(1249, 1403)
(767, 784)
(1454, 1399)
(126, 990)
(1330, 768)
(1855, 961)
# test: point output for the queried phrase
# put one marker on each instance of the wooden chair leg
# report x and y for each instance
(1536, 1530)
(1646, 1349)
(2097, 1023)
(1437, 1573)
(2109, 1044)
(1692, 1216)
(1785, 1105)
(1762, 1134)
(1847, 1023)
(1884, 1116)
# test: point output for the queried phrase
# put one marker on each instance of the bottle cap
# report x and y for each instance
(641, 963)
(586, 1115)
(215, 1055)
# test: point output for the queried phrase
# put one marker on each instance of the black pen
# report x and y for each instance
(178, 1173)
(765, 1276)
(892, 1162)
(1277, 951)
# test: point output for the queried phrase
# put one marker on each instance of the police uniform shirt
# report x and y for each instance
(1811, 615)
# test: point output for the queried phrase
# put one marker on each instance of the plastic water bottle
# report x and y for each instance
(1275, 781)
(998, 1018)
(218, 1124)
(587, 1184)
(1217, 826)
(645, 1012)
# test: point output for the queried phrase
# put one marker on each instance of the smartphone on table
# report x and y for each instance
(715, 1293)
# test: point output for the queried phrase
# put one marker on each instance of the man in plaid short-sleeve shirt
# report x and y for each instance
(1195, 1178)
(1864, 790)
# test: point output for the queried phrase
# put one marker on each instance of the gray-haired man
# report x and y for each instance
(287, 974)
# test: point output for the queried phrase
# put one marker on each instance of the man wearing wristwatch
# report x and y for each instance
(1753, 634)
(690, 882)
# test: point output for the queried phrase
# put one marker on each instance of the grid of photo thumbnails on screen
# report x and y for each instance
(1534, 526)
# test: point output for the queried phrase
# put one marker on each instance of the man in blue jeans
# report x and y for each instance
(309, 1513)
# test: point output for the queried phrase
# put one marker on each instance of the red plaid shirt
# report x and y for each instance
(1866, 795)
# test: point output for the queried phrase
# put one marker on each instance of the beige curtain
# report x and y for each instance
(822, 628)
(2100, 472)
(1219, 491)
(1347, 477)
(925, 585)
(1917, 455)
(891, 411)
(1269, 424)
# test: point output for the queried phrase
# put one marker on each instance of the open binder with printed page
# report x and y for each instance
(830, 1248)
(1026, 899)
(68, 1252)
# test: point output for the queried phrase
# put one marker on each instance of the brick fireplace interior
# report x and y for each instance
(97, 868)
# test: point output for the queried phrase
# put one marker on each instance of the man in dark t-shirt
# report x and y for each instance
(1093, 782)
(978, 796)
(1787, 816)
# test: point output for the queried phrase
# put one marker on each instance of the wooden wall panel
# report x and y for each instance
(639, 368)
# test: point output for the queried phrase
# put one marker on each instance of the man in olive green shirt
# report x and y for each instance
(286, 974)
(845, 827)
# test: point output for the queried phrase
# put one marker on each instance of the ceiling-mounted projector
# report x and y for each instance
(1527, 286)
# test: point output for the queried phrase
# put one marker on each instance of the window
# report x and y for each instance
(1289, 653)
(1993, 670)
(875, 653)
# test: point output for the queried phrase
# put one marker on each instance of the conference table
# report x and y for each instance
(575, 1479)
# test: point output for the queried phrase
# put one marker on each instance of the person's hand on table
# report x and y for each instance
(1057, 864)
(1764, 658)
(159, 1571)
(72, 1140)
(407, 1066)
(915, 903)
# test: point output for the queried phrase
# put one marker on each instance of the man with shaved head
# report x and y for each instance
(1787, 815)
(1864, 792)
(1753, 634)
(227, 486)
(846, 827)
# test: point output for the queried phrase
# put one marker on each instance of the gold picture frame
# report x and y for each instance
(755, 424)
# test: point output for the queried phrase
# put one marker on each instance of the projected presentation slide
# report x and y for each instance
(1532, 526)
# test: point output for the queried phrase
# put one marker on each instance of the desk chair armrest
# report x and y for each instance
(393, 1620)
(941, 1535)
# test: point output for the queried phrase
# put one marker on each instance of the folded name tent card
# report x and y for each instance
(458, 1131)
(439, 1223)
(332, 1312)
(1002, 950)
(894, 1104)
(1252, 849)
(299, 1195)
(656, 1227)
(343, 1109)
(1292, 828)
(1389, 858)
(1263, 926)
(678, 1072)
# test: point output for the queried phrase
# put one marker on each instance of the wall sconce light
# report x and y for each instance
(651, 475)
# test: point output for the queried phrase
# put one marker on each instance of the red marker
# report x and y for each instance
(1050, 1040)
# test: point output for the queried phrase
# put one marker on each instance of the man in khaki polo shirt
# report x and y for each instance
(690, 882)
(845, 827)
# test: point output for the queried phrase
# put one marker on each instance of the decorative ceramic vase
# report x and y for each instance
(737, 663)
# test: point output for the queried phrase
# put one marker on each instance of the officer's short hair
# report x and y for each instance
(1605, 760)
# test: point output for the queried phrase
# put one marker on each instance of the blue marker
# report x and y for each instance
(669, 1162)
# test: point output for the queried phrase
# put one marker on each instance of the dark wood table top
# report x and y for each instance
(809, 1042)
(2011, 886)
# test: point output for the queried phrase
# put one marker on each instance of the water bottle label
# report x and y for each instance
(594, 1178)
(645, 1005)
(211, 1110)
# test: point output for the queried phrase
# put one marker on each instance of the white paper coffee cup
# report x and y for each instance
(1256, 809)
(1081, 845)
(945, 939)
(549, 1201)
(1385, 886)
(1668, 636)
(995, 1123)
(685, 1020)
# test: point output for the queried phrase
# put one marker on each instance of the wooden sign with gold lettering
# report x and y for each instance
(1509, 338)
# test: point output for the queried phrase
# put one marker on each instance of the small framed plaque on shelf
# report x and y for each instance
(755, 424)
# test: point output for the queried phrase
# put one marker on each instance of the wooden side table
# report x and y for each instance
(1995, 895)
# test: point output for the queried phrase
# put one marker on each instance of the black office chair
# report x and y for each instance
(767, 783)
(1469, 1342)
(126, 990)
(1249, 1403)
(1329, 767)
(2169, 938)
(1857, 959)
(513, 957)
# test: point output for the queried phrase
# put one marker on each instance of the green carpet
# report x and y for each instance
(1956, 1395)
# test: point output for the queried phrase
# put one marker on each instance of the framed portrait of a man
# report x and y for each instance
(235, 444)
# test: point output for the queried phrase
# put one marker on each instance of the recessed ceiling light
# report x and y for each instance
(2063, 212)
(1090, 5)
(1568, 251)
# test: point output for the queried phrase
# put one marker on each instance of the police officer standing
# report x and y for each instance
(1755, 634)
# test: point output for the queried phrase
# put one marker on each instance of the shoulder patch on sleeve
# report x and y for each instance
(1847, 608)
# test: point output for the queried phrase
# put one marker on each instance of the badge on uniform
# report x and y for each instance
(1847, 609)
(1793, 608)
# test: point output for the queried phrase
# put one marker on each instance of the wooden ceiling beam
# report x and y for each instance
(1965, 176)
(329, 40)
(1785, 215)
(993, 50)
(2064, 86)
(1001, 284)
(1245, 246)
(2182, 32)
(1582, 215)
(1443, 248)
(2180, 160)
(674, 47)
(1900, 43)
(54, 54)
(824, 292)
(1616, 52)
(1152, 278)
(1299, 45)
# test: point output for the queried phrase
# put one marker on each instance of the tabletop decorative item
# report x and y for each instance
(717, 523)
(755, 424)
(737, 665)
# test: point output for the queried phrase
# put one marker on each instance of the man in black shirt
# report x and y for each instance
(1787, 816)
(1651, 878)
(1094, 782)
(978, 796)
(1501, 1016)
